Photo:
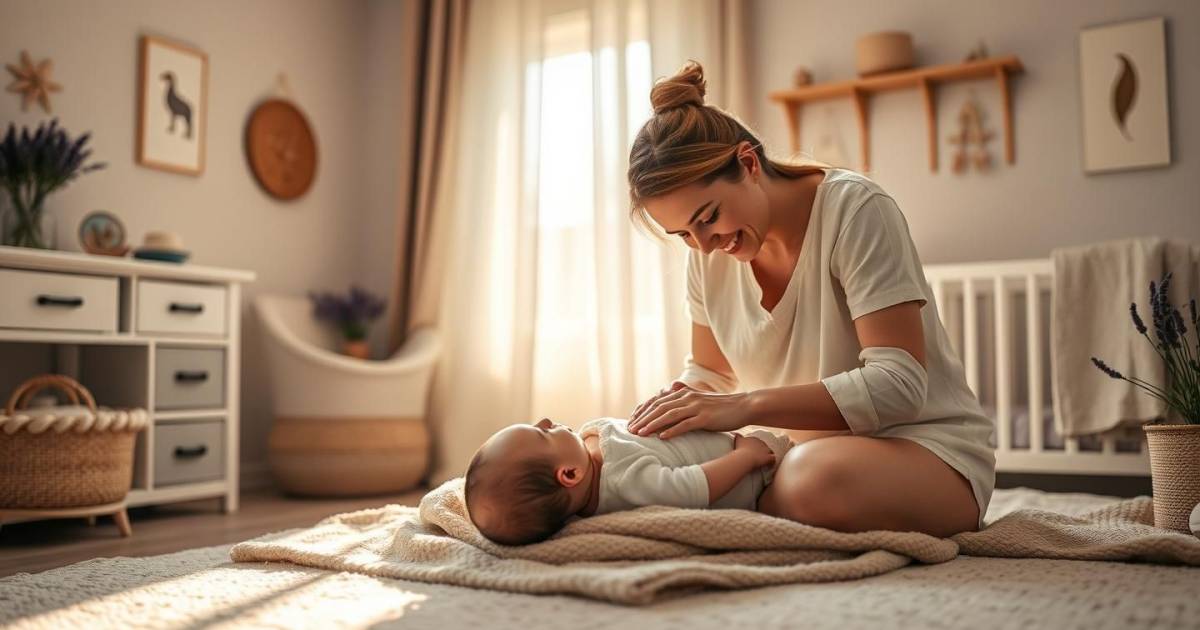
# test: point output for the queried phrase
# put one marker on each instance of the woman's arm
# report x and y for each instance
(887, 390)
(891, 391)
(707, 368)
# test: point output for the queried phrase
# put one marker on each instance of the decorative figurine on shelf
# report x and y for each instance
(31, 167)
(971, 132)
(977, 53)
(802, 77)
(32, 82)
(352, 314)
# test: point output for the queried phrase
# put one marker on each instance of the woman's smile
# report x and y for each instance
(734, 245)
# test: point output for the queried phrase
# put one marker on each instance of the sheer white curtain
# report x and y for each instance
(553, 304)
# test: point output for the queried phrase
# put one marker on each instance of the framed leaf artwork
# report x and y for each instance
(1123, 87)
(172, 106)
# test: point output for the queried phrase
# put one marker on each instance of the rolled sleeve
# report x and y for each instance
(853, 399)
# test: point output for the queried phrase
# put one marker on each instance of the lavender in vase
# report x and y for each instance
(31, 167)
(1181, 392)
(351, 313)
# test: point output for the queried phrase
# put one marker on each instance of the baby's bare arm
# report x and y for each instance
(723, 473)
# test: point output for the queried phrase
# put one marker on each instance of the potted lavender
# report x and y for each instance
(1175, 443)
(351, 314)
(32, 167)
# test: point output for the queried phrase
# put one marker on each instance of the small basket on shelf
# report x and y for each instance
(66, 461)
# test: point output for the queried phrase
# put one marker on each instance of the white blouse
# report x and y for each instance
(857, 257)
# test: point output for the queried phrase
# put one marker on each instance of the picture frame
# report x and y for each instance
(172, 106)
(1124, 96)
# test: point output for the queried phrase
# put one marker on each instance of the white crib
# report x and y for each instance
(987, 309)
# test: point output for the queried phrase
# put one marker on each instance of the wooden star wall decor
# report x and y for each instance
(33, 82)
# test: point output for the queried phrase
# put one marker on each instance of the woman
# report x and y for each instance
(810, 312)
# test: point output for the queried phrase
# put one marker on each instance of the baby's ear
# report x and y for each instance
(568, 476)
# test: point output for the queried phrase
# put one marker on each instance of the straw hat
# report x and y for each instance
(163, 240)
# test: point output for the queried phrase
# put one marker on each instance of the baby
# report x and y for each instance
(528, 479)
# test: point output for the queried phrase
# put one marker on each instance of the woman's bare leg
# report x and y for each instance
(854, 483)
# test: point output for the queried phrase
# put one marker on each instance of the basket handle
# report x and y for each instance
(24, 392)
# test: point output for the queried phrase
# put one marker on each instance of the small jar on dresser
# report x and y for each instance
(161, 336)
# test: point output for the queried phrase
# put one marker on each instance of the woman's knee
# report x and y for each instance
(813, 488)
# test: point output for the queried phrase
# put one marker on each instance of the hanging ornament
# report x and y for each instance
(280, 145)
(971, 139)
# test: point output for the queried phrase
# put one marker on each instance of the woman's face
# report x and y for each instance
(726, 217)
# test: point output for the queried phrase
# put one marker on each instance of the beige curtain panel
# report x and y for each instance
(438, 32)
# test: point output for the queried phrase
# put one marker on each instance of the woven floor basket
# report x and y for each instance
(1175, 470)
(54, 459)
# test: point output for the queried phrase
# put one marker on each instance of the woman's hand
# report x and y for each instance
(687, 409)
(662, 393)
(758, 451)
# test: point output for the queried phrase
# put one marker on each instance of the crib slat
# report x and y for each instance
(1033, 329)
(970, 335)
(1003, 366)
(1072, 445)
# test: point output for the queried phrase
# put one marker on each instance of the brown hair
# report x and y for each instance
(686, 141)
(531, 505)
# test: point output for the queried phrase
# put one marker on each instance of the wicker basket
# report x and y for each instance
(1175, 473)
(59, 459)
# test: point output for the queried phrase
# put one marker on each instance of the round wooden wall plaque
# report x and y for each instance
(281, 149)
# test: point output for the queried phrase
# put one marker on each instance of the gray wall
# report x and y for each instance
(1021, 211)
(334, 53)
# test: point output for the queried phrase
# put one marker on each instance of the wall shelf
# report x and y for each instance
(924, 79)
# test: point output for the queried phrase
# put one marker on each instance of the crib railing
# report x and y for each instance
(1016, 390)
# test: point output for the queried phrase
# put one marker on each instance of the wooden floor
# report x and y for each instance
(39, 545)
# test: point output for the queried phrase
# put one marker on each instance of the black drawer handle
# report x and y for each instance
(184, 376)
(183, 452)
(177, 307)
(54, 300)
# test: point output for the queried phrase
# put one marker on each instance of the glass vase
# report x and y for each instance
(27, 228)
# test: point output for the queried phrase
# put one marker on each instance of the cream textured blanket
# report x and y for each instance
(634, 557)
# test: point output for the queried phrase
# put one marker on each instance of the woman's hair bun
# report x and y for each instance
(685, 88)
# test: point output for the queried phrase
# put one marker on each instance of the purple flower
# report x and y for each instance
(351, 312)
(1104, 368)
(1137, 320)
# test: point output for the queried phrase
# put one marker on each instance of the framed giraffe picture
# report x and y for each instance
(172, 106)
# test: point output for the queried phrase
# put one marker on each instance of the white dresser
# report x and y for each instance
(137, 334)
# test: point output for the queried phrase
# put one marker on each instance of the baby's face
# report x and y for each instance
(543, 438)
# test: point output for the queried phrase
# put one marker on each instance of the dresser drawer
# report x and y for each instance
(57, 301)
(189, 451)
(176, 307)
(189, 378)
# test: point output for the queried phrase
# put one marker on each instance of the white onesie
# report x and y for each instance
(641, 471)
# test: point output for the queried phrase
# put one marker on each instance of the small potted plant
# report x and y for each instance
(32, 167)
(1174, 442)
(352, 314)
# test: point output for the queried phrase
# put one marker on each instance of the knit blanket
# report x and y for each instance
(638, 556)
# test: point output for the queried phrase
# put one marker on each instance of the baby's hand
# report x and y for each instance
(762, 454)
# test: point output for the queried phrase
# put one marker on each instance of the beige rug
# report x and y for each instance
(634, 557)
(202, 588)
